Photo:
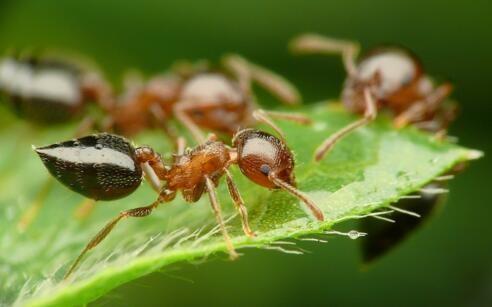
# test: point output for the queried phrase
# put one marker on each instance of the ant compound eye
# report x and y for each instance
(101, 166)
(259, 154)
(265, 169)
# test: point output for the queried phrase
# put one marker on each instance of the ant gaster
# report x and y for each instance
(106, 166)
(200, 97)
(49, 90)
(389, 77)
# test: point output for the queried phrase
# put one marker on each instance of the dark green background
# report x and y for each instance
(447, 262)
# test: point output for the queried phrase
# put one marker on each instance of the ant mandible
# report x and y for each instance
(106, 167)
(51, 89)
(390, 77)
(200, 97)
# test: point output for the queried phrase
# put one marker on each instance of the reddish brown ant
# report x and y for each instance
(199, 97)
(106, 166)
(389, 77)
(48, 89)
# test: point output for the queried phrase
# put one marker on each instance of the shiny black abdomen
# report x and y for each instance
(42, 91)
(100, 166)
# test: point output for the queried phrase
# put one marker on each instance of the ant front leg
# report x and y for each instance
(315, 210)
(369, 115)
(314, 43)
(277, 85)
(430, 104)
(218, 216)
(165, 196)
(239, 202)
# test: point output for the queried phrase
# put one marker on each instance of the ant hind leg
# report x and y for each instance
(106, 230)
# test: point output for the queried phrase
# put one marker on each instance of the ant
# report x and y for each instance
(200, 97)
(387, 76)
(50, 90)
(106, 167)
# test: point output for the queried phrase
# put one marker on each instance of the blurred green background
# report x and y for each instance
(447, 262)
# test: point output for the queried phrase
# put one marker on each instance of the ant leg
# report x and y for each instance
(86, 125)
(318, 214)
(369, 115)
(277, 85)
(239, 202)
(152, 166)
(315, 210)
(180, 149)
(180, 112)
(314, 43)
(165, 196)
(428, 105)
(218, 216)
(240, 68)
(293, 117)
(180, 145)
(96, 88)
(84, 209)
(30, 213)
(162, 122)
(133, 81)
(262, 117)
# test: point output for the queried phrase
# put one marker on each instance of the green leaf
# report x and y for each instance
(364, 173)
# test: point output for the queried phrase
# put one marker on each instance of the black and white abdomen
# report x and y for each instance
(41, 90)
(101, 166)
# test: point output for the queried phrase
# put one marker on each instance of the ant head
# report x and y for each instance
(100, 166)
(262, 156)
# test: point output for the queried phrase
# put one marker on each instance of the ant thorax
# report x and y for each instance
(209, 159)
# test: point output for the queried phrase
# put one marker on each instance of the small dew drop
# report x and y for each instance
(353, 234)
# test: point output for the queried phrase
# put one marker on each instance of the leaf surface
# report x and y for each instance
(364, 173)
